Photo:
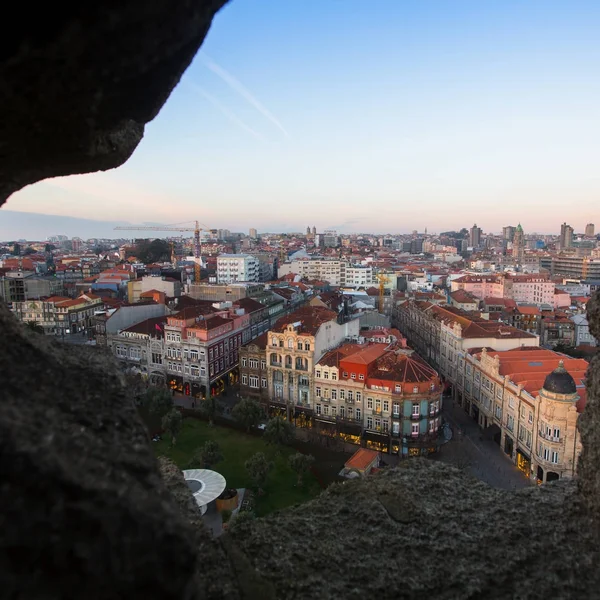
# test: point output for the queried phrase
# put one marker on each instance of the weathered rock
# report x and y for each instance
(439, 533)
(80, 80)
(83, 510)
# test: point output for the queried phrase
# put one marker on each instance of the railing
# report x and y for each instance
(275, 364)
(288, 366)
(550, 438)
(416, 417)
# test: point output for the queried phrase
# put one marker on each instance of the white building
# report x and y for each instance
(582, 331)
(339, 273)
(237, 267)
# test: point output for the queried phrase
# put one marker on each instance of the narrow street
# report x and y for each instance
(483, 458)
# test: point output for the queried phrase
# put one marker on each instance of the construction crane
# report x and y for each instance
(177, 227)
(382, 278)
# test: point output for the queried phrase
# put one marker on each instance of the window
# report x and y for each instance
(334, 394)
(345, 374)
(416, 409)
(318, 374)
(431, 425)
(396, 428)
(396, 407)
(510, 422)
(386, 426)
(244, 379)
(361, 377)
(522, 412)
(369, 402)
(300, 345)
(386, 405)
(499, 392)
(556, 433)
(416, 389)
(342, 411)
(333, 411)
(306, 346)
(274, 341)
(398, 388)
(498, 411)
(342, 394)
(326, 410)
(244, 361)
(318, 392)
(415, 429)
(318, 409)
(350, 395)
(325, 374)
(554, 457)
(334, 376)
(530, 418)
(353, 376)
(290, 343)
(358, 414)
(369, 422)
(511, 402)
(264, 382)
(358, 396)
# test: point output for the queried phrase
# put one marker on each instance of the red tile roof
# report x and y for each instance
(309, 317)
(361, 459)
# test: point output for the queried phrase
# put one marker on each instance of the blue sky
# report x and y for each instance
(382, 116)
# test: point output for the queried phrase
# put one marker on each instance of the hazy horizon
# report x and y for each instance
(374, 117)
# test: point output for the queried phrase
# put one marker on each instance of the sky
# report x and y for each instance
(383, 116)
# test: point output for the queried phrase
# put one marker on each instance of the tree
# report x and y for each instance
(278, 431)
(157, 401)
(258, 467)
(49, 248)
(172, 422)
(29, 250)
(152, 251)
(210, 408)
(136, 387)
(206, 456)
(34, 326)
(300, 464)
(248, 412)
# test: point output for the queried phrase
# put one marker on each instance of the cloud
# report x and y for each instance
(243, 91)
(230, 115)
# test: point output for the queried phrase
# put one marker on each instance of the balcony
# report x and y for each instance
(274, 363)
(287, 366)
(550, 438)
(416, 417)
(396, 415)
(349, 401)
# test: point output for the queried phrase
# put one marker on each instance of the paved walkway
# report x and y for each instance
(483, 458)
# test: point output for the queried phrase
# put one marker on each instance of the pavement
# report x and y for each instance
(481, 457)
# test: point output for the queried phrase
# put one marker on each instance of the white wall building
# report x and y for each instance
(237, 267)
(337, 272)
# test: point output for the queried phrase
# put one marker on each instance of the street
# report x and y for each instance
(481, 457)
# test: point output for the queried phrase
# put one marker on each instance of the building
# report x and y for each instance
(171, 288)
(575, 267)
(464, 300)
(223, 292)
(59, 315)
(589, 230)
(529, 404)
(253, 234)
(295, 343)
(337, 272)
(381, 396)
(19, 286)
(508, 233)
(232, 268)
(475, 236)
(582, 331)
(253, 369)
(566, 237)
(523, 317)
(518, 245)
(556, 330)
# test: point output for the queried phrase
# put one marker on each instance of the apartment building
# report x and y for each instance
(557, 329)
(232, 268)
(479, 286)
(194, 351)
(528, 400)
(19, 286)
(380, 396)
(253, 369)
(440, 333)
(172, 288)
(531, 289)
(59, 315)
(338, 273)
(295, 343)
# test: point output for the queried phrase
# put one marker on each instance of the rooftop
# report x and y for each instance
(309, 317)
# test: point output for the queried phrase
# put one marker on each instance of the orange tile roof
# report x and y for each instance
(366, 355)
(361, 459)
(310, 317)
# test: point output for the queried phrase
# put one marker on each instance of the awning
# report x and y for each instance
(373, 436)
(350, 428)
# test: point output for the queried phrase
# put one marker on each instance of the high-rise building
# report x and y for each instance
(518, 245)
(237, 267)
(253, 233)
(566, 236)
(508, 233)
(475, 236)
(589, 230)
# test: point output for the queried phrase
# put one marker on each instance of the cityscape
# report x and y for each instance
(300, 300)
(389, 344)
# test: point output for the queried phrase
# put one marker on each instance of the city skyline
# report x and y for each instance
(437, 119)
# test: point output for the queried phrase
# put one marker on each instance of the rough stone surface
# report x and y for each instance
(427, 530)
(83, 510)
(80, 80)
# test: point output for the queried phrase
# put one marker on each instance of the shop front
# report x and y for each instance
(523, 462)
(380, 442)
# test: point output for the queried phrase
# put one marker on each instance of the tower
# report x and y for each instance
(314, 231)
(589, 230)
(308, 231)
(475, 236)
(518, 245)
(566, 236)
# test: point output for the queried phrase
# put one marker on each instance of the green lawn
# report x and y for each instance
(280, 488)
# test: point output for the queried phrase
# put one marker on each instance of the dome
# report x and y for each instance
(559, 381)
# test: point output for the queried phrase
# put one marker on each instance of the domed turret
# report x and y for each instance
(559, 381)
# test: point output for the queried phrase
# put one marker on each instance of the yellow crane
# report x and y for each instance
(177, 227)
(382, 278)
